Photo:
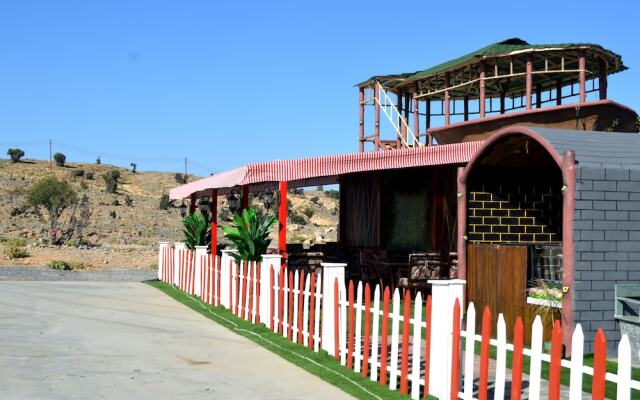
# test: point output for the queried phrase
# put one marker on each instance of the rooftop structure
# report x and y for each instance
(565, 85)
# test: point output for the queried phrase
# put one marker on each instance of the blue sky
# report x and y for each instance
(225, 83)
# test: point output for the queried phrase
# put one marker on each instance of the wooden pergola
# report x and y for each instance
(503, 77)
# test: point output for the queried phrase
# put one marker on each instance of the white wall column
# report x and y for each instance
(180, 249)
(269, 261)
(330, 272)
(163, 246)
(197, 281)
(443, 296)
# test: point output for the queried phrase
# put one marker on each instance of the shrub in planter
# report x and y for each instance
(197, 231)
(249, 235)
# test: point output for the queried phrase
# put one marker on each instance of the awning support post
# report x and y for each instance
(214, 222)
(192, 203)
(282, 221)
(245, 197)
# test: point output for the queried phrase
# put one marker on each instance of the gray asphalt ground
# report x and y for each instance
(126, 340)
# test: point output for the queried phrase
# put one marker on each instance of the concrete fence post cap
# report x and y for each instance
(271, 256)
(447, 282)
(202, 247)
(179, 244)
(333, 265)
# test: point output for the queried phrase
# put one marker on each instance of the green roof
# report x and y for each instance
(505, 48)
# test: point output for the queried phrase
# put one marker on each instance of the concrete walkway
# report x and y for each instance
(122, 340)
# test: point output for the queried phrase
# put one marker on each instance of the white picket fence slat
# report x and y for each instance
(395, 334)
(357, 352)
(501, 359)
(469, 352)
(374, 337)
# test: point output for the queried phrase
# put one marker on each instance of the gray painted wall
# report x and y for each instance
(607, 245)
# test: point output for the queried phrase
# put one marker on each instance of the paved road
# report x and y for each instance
(126, 340)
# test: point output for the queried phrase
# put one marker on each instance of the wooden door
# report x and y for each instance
(497, 278)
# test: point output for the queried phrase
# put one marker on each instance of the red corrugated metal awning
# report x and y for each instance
(325, 170)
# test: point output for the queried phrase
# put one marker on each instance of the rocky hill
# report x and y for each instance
(125, 227)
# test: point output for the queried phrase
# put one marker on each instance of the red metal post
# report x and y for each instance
(554, 367)
(582, 76)
(599, 366)
(361, 125)
(455, 353)
(214, 222)
(602, 80)
(366, 341)
(484, 354)
(529, 80)
(376, 128)
(312, 308)
(482, 95)
(282, 221)
(245, 197)
(447, 100)
(516, 367)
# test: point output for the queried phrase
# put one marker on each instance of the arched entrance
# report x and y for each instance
(514, 224)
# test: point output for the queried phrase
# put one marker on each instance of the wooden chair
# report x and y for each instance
(421, 268)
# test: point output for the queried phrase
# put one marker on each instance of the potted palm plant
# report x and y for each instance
(249, 235)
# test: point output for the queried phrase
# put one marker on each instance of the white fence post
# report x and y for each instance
(163, 246)
(180, 248)
(268, 261)
(330, 271)
(197, 281)
(443, 296)
(225, 275)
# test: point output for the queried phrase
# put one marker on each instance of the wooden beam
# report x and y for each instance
(427, 119)
(559, 92)
(361, 98)
(447, 115)
(376, 129)
(582, 76)
(466, 107)
(502, 107)
(602, 77)
(529, 81)
(483, 83)
(416, 113)
(245, 197)
(538, 96)
(192, 204)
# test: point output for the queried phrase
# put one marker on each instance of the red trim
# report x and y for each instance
(529, 112)
(599, 366)
(366, 341)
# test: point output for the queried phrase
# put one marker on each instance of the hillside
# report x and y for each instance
(119, 234)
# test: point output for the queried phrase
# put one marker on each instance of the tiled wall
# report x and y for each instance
(515, 214)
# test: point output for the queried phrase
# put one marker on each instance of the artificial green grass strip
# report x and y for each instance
(284, 348)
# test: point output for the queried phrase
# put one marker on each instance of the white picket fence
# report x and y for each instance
(414, 345)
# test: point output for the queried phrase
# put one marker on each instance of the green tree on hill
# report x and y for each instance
(15, 154)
